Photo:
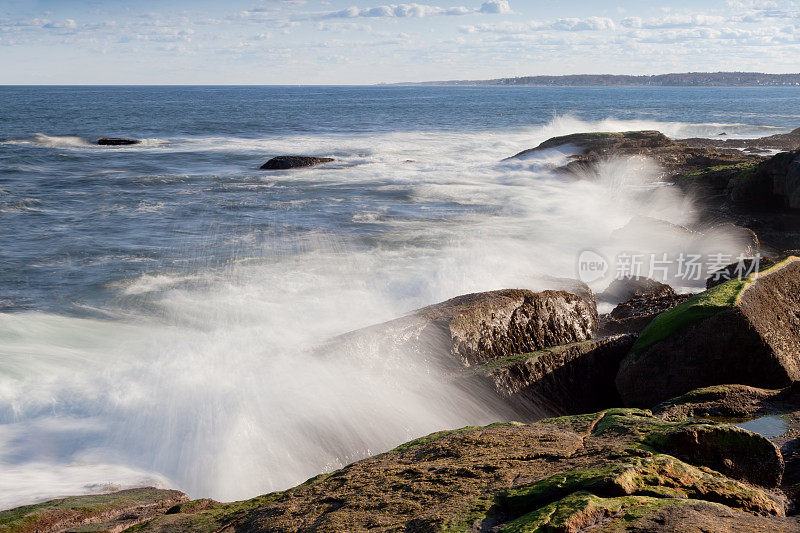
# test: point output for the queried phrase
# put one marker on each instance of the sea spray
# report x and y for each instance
(198, 370)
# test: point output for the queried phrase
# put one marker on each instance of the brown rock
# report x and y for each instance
(558, 473)
(477, 328)
(111, 512)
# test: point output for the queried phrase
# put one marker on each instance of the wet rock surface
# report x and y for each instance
(782, 141)
(285, 162)
(477, 328)
(674, 156)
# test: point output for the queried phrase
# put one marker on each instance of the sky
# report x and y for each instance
(370, 41)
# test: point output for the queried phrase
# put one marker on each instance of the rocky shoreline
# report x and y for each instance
(634, 420)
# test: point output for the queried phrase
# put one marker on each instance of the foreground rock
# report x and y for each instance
(569, 379)
(738, 332)
(103, 512)
(285, 162)
(773, 413)
(614, 470)
(117, 141)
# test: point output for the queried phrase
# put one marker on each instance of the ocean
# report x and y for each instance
(160, 303)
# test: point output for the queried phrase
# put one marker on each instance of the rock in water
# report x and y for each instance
(284, 162)
(477, 328)
(117, 141)
(744, 332)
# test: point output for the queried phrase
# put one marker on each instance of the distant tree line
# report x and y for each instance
(686, 79)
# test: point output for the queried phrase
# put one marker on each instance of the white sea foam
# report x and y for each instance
(205, 379)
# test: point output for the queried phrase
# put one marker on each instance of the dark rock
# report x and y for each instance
(100, 512)
(117, 141)
(623, 289)
(284, 162)
(674, 156)
(648, 298)
(739, 332)
(782, 141)
(775, 183)
(719, 401)
(568, 379)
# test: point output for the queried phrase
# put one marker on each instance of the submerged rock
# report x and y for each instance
(285, 162)
(738, 332)
(117, 141)
(116, 511)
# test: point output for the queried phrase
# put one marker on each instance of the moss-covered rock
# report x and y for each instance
(739, 332)
(604, 470)
(117, 510)
(737, 453)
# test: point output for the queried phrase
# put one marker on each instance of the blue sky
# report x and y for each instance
(370, 41)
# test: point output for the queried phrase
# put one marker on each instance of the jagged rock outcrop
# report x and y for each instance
(674, 156)
(739, 332)
(569, 379)
(285, 162)
(112, 512)
(564, 473)
(644, 299)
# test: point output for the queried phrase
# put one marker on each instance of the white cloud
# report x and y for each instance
(675, 20)
(492, 7)
(495, 7)
(565, 24)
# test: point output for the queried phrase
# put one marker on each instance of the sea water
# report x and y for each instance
(159, 303)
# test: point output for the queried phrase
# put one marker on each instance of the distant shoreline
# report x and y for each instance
(686, 79)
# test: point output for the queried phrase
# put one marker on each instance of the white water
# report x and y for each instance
(203, 380)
